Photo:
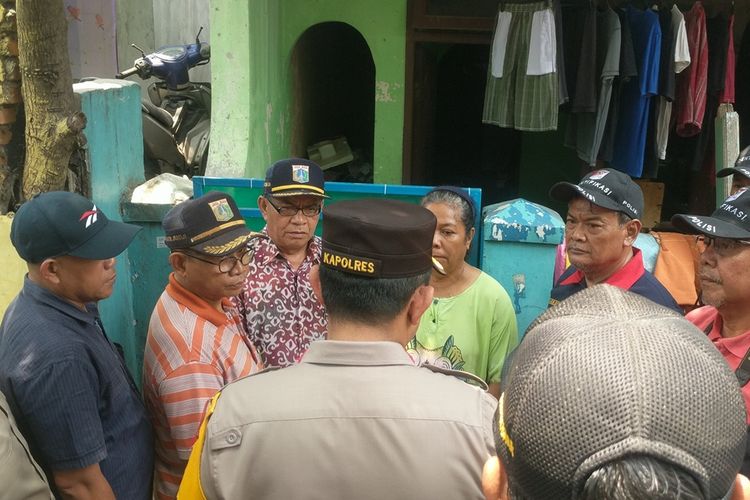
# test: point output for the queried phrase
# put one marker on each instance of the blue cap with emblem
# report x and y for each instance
(211, 224)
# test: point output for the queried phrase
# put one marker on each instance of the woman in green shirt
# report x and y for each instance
(471, 324)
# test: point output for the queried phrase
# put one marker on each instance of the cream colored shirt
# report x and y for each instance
(352, 420)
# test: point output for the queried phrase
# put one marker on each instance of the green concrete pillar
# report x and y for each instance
(252, 104)
(115, 160)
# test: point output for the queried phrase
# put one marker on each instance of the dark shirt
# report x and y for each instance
(632, 277)
(71, 393)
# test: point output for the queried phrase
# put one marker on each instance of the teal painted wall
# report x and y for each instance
(252, 43)
(116, 166)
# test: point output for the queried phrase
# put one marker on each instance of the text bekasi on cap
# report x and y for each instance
(211, 224)
(731, 220)
(294, 177)
(60, 223)
(605, 375)
(378, 238)
(741, 166)
(607, 188)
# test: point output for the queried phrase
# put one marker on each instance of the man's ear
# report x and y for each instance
(494, 480)
(263, 207)
(418, 304)
(741, 488)
(633, 227)
(49, 271)
(315, 282)
(178, 262)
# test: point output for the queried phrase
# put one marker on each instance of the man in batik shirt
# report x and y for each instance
(280, 312)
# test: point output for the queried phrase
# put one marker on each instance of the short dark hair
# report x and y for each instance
(456, 202)
(366, 300)
(623, 218)
(641, 477)
(635, 477)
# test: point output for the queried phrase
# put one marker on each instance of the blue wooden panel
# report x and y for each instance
(115, 154)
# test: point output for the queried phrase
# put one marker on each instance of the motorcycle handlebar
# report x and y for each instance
(126, 73)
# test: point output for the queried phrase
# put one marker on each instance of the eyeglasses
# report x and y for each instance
(290, 211)
(226, 264)
(722, 246)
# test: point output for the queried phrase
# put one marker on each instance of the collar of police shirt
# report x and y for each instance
(355, 353)
(382, 353)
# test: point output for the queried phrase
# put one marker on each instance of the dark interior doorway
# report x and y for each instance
(334, 96)
(450, 144)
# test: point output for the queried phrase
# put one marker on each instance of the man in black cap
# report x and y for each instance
(724, 242)
(195, 343)
(632, 404)
(600, 231)
(355, 418)
(740, 172)
(66, 383)
(279, 310)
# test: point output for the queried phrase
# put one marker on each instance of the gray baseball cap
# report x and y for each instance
(607, 188)
(741, 166)
(605, 375)
(731, 220)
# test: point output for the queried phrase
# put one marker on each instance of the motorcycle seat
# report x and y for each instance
(162, 115)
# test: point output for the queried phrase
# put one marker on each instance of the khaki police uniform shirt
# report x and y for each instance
(352, 420)
(20, 475)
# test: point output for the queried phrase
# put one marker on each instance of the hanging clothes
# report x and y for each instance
(717, 39)
(522, 81)
(586, 129)
(692, 83)
(681, 61)
(727, 95)
(742, 75)
(628, 70)
(635, 99)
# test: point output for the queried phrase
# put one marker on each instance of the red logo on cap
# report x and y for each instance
(90, 216)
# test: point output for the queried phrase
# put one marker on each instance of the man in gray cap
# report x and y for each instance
(601, 227)
(631, 404)
(740, 172)
(355, 418)
(66, 383)
(724, 242)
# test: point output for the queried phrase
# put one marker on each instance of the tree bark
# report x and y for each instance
(54, 121)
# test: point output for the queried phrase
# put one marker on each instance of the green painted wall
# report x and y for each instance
(252, 43)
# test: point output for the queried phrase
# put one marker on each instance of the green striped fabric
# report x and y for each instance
(518, 100)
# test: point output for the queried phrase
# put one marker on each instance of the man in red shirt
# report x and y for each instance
(279, 310)
(724, 242)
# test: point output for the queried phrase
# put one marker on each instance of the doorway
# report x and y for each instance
(333, 76)
(450, 144)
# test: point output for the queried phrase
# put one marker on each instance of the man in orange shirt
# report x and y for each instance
(195, 342)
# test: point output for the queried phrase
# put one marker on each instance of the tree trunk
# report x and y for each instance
(53, 119)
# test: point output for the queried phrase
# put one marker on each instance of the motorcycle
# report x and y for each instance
(177, 114)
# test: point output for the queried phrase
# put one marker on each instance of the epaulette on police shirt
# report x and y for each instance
(467, 377)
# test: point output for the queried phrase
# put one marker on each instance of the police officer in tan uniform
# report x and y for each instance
(356, 418)
(20, 475)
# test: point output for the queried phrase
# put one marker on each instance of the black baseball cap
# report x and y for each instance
(378, 238)
(294, 177)
(605, 375)
(731, 220)
(60, 223)
(211, 224)
(741, 166)
(607, 188)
